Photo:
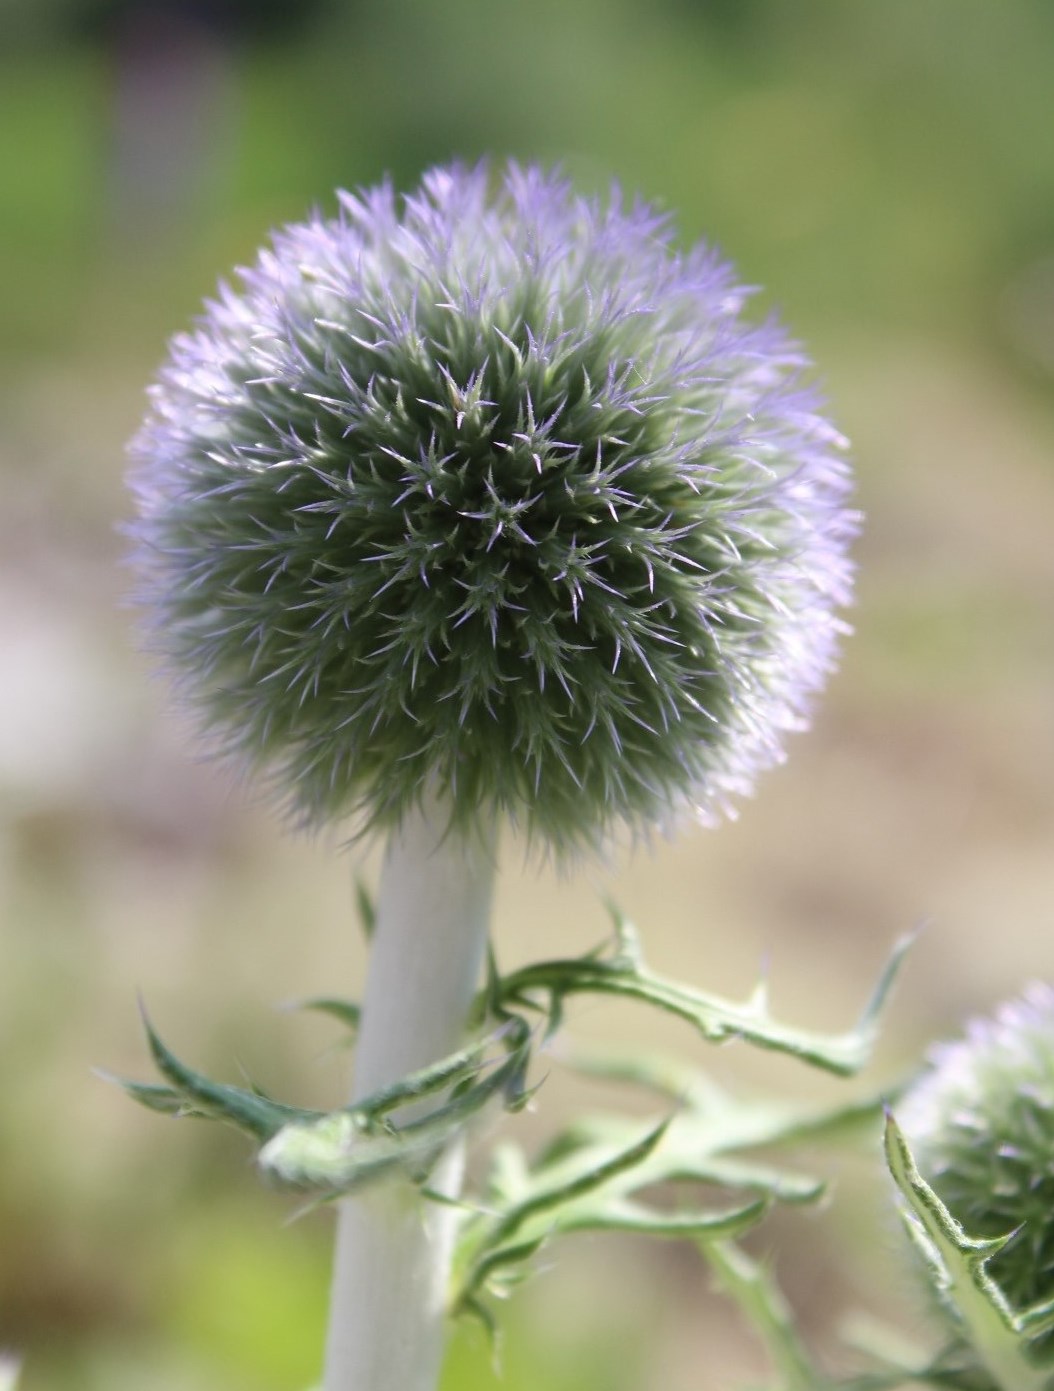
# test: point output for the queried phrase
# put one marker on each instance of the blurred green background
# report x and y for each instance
(886, 172)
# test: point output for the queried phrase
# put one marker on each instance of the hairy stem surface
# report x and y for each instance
(393, 1247)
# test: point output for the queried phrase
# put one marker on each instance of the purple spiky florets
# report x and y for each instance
(496, 495)
(980, 1122)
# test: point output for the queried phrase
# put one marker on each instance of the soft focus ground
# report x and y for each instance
(886, 171)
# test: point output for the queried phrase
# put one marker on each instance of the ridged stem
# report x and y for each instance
(393, 1253)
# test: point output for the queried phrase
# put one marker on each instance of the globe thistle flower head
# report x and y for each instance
(492, 495)
(980, 1122)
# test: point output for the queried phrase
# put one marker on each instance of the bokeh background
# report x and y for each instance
(886, 172)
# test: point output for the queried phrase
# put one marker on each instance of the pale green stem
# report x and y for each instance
(388, 1302)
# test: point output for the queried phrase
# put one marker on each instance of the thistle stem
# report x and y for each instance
(394, 1247)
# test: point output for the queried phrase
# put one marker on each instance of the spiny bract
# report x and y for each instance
(980, 1122)
(493, 495)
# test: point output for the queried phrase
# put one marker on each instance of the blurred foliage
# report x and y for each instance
(886, 172)
(858, 160)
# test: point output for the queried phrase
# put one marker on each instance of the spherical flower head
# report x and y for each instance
(980, 1122)
(493, 496)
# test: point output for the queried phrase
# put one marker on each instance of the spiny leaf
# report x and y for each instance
(246, 1109)
(745, 1123)
(782, 1185)
(699, 1224)
(344, 1011)
(345, 1150)
(367, 910)
(754, 1288)
(426, 1081)
(759, 1297)
(693, 1151)
(499, 1258)
(958, 1262)
(902, 1362)
(627, 938)
(599, 1173)
(336, 1152)
(657, 1073)
(490, 1234)
(477, 1309)
(591, 1186)
(1038, 1320)
(152, 1095)
(624, 973)
(831, 1122)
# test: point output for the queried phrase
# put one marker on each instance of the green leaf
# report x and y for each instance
(901, 1363)
(759, 1297)
(333, 1153)
(1038, 1320)
(693, 1151)
(590, 1182)
(725, 1121)
(192, 1094)
(491, 1262)
(367, 910)
(459, 1067)
(544, 1198)
(958, 1261)
(337, 1153)
(344, 1011)
(698, 1224)
(623, 973)
(658, 1073)
(153, 1096)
